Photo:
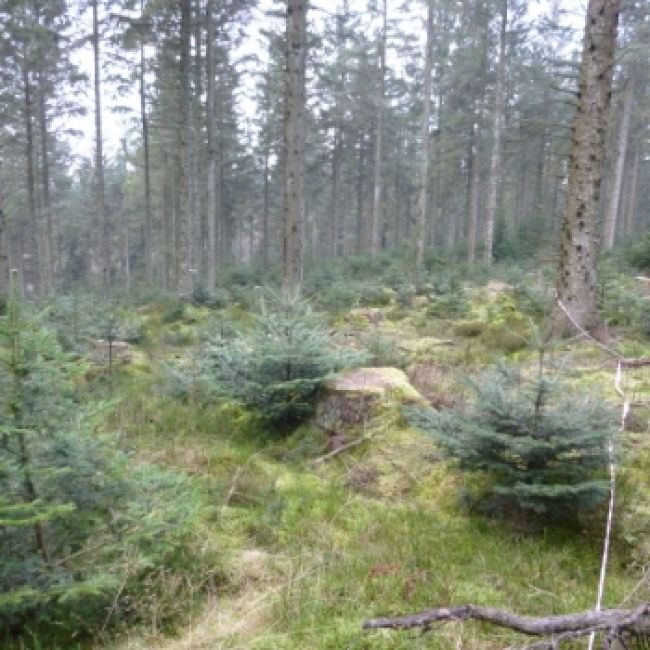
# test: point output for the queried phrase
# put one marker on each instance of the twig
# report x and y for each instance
(238, 473)
(628, 363)
(586, 334)
(113, 606)
(341, 449)
(636, 588)
(543, 592)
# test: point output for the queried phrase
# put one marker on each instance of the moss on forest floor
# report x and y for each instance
(314, 548)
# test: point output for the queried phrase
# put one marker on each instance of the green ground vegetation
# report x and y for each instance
(242, 539)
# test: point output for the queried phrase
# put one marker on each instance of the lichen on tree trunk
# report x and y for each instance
(576, 283)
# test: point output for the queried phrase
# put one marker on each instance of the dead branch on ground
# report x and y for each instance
(618, 626)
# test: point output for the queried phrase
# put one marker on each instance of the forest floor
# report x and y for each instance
(313, 546)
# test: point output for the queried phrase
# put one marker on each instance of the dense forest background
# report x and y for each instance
(195, 181)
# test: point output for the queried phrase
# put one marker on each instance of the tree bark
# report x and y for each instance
(212, 152)
(185, 216)
(148, 218)
(124, 225)
(196, 226)
(420, 233)
(576, 284)
(99, 165)
(632, 200)
(611, 219)
(296, 55)
(397, 202)
(381, 91)
(223, 240)
(436, 202)
(475, 186)
(4, 261)
(360, 189)
(613, 622)
(265, 212)
(33, 235)
(176, 182)
(46, 202)
(167, 222)
(335, 234)
(475, 169)
(495, 166)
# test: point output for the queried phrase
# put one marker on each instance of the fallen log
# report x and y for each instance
(615, 624)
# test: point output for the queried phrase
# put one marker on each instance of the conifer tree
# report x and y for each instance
(79, 535)
(277, 367)
(46, 513)
(542, 447)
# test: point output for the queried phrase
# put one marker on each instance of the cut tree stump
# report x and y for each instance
(352, 397)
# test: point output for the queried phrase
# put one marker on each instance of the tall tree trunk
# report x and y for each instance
(611, 218)
(99, 164)
(47, 272)
(212, 152)
(408, 200)
(576, 287)
(265, 212)
(360, 188)
(381, 92)
(168, 230)
(185, 216)
(634, 190)
(196, 229)
(475, 186)
(176, 183)
(397, 198)
(542, 162)
(420, 233)
(148, 218)
(124, 226)
(476, 150)
(296, 53)
(4, 241)
(222, 226)
(436, 191)
(31, 184)
(495, 166)
(335, 234)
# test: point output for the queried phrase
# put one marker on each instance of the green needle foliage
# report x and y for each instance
(81, 527)
(276, 368)
(542, 447)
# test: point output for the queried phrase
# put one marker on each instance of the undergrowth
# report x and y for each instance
(308, 550)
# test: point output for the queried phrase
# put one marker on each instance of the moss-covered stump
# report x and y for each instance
(366, 405)
(377, 383)
(355, 397)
